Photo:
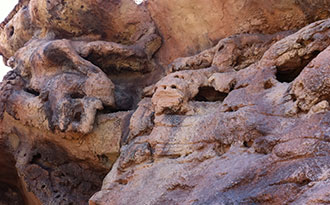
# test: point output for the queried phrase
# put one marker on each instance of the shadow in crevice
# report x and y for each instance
(11, 191)
(32, 91)
(291, 69)
(209, 94)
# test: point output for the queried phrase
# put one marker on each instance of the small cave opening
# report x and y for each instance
(76, 95)
(248, 144)
(36, 158)
(77, 117)
(287, 76)
(109, 109)
(32, 91)
(127, 98)
(11, 31)
(116, 64)
(209, 94)
(291, 69)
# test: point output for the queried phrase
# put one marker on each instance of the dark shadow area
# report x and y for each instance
(55, 177)
(10, 192)
(209, 94)
(116, 64)
(32, 91)
(10, 195)
(291, 69)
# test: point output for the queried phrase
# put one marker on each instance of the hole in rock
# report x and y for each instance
(36, 158)
(247, 144)
(287, 76)
(177, 76)
(32, 91)
(291, 69)
(122, 181)
(108, 109)
(209, 94)
(231, 108)
(114, 64)
(268, 84)
(304, 182)
(77, 116)
(129, 74)
(76, 95)
(11, 31)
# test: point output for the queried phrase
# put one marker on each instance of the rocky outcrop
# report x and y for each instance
(166, 103)
(65, 107)
(230, 134)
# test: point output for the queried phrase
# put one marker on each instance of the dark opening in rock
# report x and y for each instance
(76, 95)
(11, 31)
(116, 64)
(77, 116)
(209, 94)
(36, 158)
(288, 76)
(247, 144)
(32, 91)
(291, 69)
(268, 84)
(108, 109)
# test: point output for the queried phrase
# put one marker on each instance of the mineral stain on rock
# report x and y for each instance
(160, 102)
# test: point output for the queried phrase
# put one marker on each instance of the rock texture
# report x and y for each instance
(189, 26)
(165, 102)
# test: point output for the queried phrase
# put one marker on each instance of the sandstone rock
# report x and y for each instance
(165, 102)
(313, 84)
(189, 27)
(245, 148)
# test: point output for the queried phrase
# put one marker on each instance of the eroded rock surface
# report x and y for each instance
(165, 102)
(251, 132)
(189, 27)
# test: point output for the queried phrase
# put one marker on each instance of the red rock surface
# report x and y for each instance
(167, 102)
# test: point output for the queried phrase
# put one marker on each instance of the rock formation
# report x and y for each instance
(166, 102)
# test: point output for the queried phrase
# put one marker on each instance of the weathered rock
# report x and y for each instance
(189, 27)
(60, 91)
(239, 116)
(254, 146)
(313, 84)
